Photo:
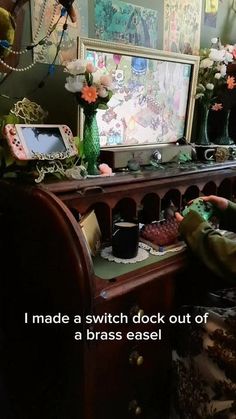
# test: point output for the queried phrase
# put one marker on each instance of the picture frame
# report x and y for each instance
(153, 94)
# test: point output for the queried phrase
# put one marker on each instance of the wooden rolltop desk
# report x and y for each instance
(46, 268)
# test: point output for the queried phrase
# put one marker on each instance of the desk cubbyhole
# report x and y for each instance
(149, 209)
(210, 188)
(125, 210)
(172, 199)
(103, 214)
(233, 197)
(225, 189)
(76, 214)
(191, 193)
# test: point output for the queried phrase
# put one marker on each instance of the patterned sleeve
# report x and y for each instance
(217, 252)
(228, 217)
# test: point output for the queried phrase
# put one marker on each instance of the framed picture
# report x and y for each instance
(182, 26)
(153, 94)
(42, 11)
(121, 21)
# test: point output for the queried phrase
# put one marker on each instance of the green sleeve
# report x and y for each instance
(217, 252)
(228, 217)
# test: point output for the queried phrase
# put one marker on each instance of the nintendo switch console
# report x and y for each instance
(203, 208)
(40, 142)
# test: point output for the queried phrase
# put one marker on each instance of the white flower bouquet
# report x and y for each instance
(212, 76)
(91, 85)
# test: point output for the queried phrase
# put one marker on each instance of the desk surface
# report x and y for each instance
(107, 270)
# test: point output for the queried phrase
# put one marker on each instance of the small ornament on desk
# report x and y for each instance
(222, 154)
(133, 165)
(76, 172)
(105, 170)
(156, 155)
(156, 158)
(184, 157)
(182, 141)
(170, 211)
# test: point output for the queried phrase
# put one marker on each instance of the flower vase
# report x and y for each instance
(202, 138)
(91, 142)
(224, 138)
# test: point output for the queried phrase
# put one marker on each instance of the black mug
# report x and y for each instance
(205, 152)
(218, 153)
(125, 239)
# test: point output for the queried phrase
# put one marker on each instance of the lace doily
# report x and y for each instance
(106, 253)
(177, 248)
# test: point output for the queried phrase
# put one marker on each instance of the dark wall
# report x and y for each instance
(53, 97)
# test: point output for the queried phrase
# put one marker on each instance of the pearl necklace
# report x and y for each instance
(48, 33)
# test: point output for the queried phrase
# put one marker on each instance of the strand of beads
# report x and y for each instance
(28, 67)
(5, 44)
(43, 43)
(23, 51)
(42, 19)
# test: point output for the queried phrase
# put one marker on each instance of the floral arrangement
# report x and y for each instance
(91, 85)
(212, 75)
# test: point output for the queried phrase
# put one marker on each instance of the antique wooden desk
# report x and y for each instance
(47, 269)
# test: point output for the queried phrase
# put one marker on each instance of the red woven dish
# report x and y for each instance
(162, 233)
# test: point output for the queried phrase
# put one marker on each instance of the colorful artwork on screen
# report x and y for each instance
(68, 49)
(182, 25)
(118, 21)
(149, 101)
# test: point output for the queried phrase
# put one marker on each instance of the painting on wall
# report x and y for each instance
(42, 22)
(118, 21)
(182, 24)
(211, 10)
(152, 100)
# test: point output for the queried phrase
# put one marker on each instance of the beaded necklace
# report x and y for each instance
(42, 42)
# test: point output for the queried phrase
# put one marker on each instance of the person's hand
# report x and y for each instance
(217, 201)
(71, 10)
(72, 14)
(178, 217)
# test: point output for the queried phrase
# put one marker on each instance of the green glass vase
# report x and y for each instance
(224, 138)
(202, 137)
(91, 142)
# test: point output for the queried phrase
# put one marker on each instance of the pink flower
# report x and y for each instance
(106, 81)
(105, 169)
(217, 107)
(117, 58)
(231, 82)
(90, 68)
(102, 92)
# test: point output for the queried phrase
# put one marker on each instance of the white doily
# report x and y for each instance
(106, 253)
(177, 248)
